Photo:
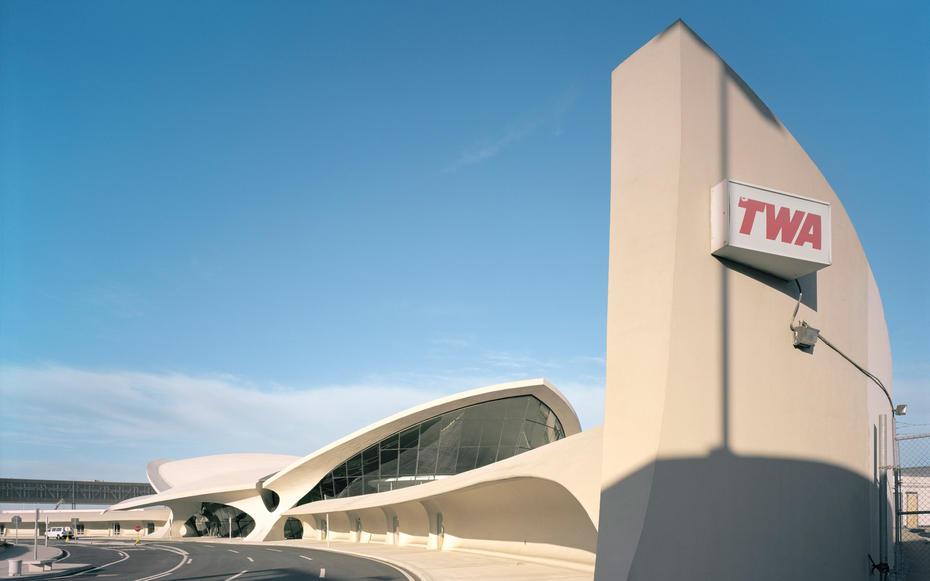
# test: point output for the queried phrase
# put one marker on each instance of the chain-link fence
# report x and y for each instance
(912, 497)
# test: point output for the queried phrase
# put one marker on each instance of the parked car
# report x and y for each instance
(59, 533)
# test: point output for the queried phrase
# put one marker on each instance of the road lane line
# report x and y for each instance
(322, 573)
(236, 575)
(307, 558)
(250, 559)
(171, 549)
(170, 571)
(275, 550)
(189, 560)
(125, 556)
(231, 551)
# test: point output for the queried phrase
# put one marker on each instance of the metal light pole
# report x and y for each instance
(36, 543)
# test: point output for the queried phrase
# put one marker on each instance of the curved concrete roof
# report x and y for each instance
(234, 476)
(154, 476)
(294, 481)
(224, 473)
(556, 462)
(176, 473)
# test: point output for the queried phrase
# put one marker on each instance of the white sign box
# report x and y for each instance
(775, 232)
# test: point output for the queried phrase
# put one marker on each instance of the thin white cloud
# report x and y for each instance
(517, 361)
(586, 394)
(49, 407)
(55, 417)
(116, 297)
(587, 359)
(488, 148)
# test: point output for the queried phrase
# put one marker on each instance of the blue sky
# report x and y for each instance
(223, 220)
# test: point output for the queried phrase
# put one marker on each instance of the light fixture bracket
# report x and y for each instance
(805, 336)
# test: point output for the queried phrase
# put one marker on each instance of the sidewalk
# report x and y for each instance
(26, 552)
(432, 565)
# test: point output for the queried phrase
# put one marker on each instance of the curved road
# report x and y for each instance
(204, 561)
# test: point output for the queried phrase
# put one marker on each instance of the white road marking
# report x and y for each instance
(231, 551)
(322, 573)
(236, 575)
(209, 546)
(125, 556)
(189, 560)
(170, 548)
(173, 569)
(250, 559)
(275, 550)
(307, 558)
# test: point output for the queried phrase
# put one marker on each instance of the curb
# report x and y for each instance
(77, 568)
(50, 574)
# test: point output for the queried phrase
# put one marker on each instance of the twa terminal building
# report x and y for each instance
(748, 422)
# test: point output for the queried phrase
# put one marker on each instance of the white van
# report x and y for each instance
(59, 533)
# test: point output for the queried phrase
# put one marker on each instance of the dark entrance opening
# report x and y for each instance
(293, 529)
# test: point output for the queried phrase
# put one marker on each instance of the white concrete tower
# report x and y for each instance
(728, 453)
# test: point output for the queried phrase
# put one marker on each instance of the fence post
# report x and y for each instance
(883, 488)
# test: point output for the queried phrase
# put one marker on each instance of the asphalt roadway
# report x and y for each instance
(203, 561)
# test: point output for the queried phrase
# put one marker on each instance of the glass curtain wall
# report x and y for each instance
(455, 442)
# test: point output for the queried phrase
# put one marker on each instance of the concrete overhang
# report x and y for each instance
(294, 481)
(556, 462)
(208, 479)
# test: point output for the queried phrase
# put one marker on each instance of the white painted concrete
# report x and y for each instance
(728, 453)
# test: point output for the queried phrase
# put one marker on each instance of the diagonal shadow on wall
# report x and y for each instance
(768, 517)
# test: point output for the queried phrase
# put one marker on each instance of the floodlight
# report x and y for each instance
(805, 335)
(900, 410)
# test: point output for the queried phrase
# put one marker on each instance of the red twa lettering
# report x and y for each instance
(810, 232)
(782, 222)
(752, 206)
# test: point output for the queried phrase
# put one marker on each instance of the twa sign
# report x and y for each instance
(775, 232)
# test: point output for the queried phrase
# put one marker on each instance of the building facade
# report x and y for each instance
(502, 469)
